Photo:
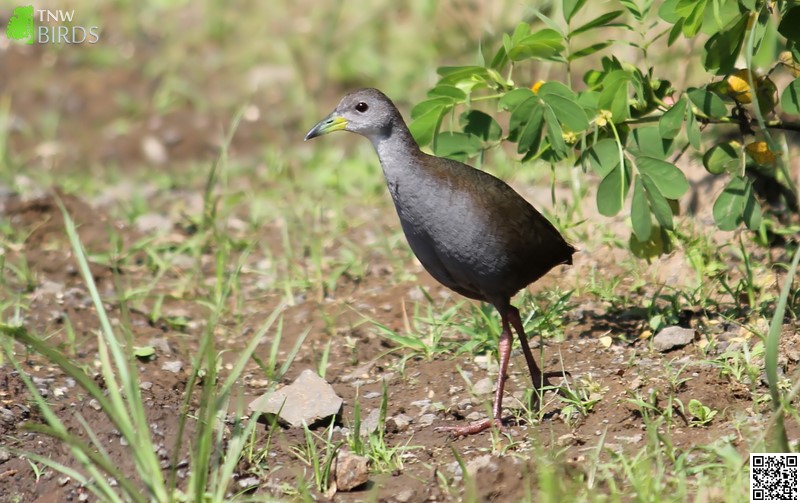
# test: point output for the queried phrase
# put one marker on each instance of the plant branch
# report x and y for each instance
(772, 124)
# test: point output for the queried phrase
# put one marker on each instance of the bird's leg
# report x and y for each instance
(504, 348)
(540, 379)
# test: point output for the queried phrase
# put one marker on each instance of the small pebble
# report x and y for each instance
(173, 366)
(426, 419)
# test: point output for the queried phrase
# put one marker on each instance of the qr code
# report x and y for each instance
(773, 477)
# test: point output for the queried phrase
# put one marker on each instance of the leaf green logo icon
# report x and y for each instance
(20, 26)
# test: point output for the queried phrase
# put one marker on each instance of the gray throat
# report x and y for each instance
(396, 151)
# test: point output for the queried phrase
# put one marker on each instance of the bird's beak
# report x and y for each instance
(333, 122)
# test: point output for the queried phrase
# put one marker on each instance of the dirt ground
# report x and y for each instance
(425, 386)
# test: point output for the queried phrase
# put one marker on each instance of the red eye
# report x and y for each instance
(362, 107)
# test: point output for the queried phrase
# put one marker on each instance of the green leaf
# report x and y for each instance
(751, 213)
(669, 125)
(648, 141)
(729, 205)
(520, 116)
(675, 32)
(588, 100)
(790, 98)
(696, 408)
(461, 72)
(668, 11)
(570, 8)
(614, 96)
(463, 77)
(458, 146)
(514, 98)
(633, 8)
(553, 87)
(564, 104)
(694, 20)
(543, 44)
(424, 126)
(658, 203)
(588, 51)
(693, 130)
(423, 107)
(670, 180)
(597, 22)
(613, 190)
(790, 24)
(658, 243)
(144, 352)
(530, 136)
(685, 8)
(723, 157)
(481, 125)
(555, 134)
(722, 49)
(603, 156)
(722, 14)
(707, 102)
(446, 91)
(500, 59)
(640, 212)
(521, 31)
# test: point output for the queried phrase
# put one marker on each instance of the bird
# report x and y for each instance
(470, 230)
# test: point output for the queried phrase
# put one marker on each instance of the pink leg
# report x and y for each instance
(539, 379)
(497, 409)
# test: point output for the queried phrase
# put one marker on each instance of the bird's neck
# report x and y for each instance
(395, 150)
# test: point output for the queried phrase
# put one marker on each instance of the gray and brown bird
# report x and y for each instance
(470, 230)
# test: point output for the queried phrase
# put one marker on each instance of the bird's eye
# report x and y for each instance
(362, 107)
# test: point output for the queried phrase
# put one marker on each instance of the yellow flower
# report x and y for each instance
(536, 86)
(759, 151)
(739, 85)
(603, 118)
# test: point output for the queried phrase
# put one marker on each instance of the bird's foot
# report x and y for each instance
(472, 428)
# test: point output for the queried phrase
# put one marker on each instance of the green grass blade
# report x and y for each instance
(780, 441)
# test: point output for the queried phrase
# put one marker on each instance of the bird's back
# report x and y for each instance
(472, 231)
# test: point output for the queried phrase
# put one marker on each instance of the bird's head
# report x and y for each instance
(367, 112)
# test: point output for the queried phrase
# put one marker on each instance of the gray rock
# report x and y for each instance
(483, 387)
(309, 399)
(369, 424)
(426, 419)
(173, 366)
(398, 423)
(49, 289)
(404, 496)
(350, 471)
(154, 150)
(161, 344)
(673, 338)
(7, 416)
(485, 462)
(633, 439)
(248, 483)
(567, 440)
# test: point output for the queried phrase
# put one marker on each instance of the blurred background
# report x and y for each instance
(167, 77)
